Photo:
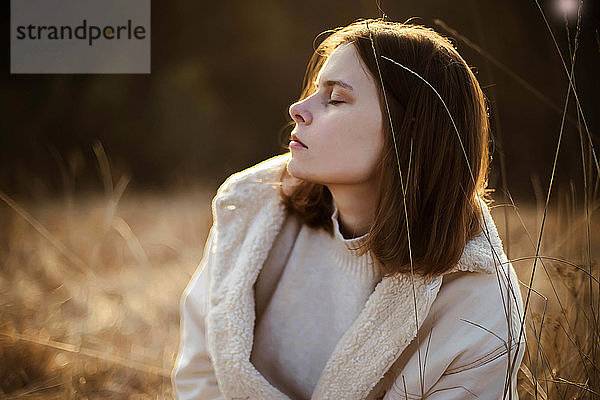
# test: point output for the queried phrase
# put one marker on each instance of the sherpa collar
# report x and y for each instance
(248, 214)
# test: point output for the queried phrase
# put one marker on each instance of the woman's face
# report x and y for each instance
(340, 124)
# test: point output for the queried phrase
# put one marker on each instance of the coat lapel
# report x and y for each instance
(249, 214)
(248, 220)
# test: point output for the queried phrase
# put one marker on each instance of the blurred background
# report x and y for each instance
(106, 180)
(224, 74)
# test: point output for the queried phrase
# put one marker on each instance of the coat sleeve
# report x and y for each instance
(483, 380)
(193, 375)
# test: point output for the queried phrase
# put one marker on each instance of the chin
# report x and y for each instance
(295, 169)
(292, 168)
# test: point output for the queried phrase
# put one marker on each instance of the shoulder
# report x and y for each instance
(479, 313)
(474, 293)
(252, 181)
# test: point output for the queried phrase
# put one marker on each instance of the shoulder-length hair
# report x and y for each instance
(443, 175)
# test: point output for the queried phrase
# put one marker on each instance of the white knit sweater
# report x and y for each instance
(322, 290)
(449, 337)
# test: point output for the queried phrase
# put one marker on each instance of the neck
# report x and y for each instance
(356, 205)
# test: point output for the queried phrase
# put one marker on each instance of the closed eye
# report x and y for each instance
(334, 102)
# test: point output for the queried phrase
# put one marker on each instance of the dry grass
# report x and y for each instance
(90, 295)
(90, 290)
(562, 359)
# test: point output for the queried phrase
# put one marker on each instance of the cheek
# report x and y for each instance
(355, 146)
(363, 134)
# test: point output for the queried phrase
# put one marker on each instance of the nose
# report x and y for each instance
(299, 113)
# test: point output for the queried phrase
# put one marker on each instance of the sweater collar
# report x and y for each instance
(352, 244)
(346, 253)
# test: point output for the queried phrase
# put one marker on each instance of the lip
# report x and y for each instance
(297, 145)
(295, 139)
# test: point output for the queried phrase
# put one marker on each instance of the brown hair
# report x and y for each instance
(441, 195)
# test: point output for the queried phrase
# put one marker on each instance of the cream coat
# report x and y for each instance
(463, 337)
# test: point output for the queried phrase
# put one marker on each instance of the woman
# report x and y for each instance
(364, 262)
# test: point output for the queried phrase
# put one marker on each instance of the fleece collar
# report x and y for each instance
(248, 214)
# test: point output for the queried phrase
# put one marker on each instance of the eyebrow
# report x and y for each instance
(336, 82)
